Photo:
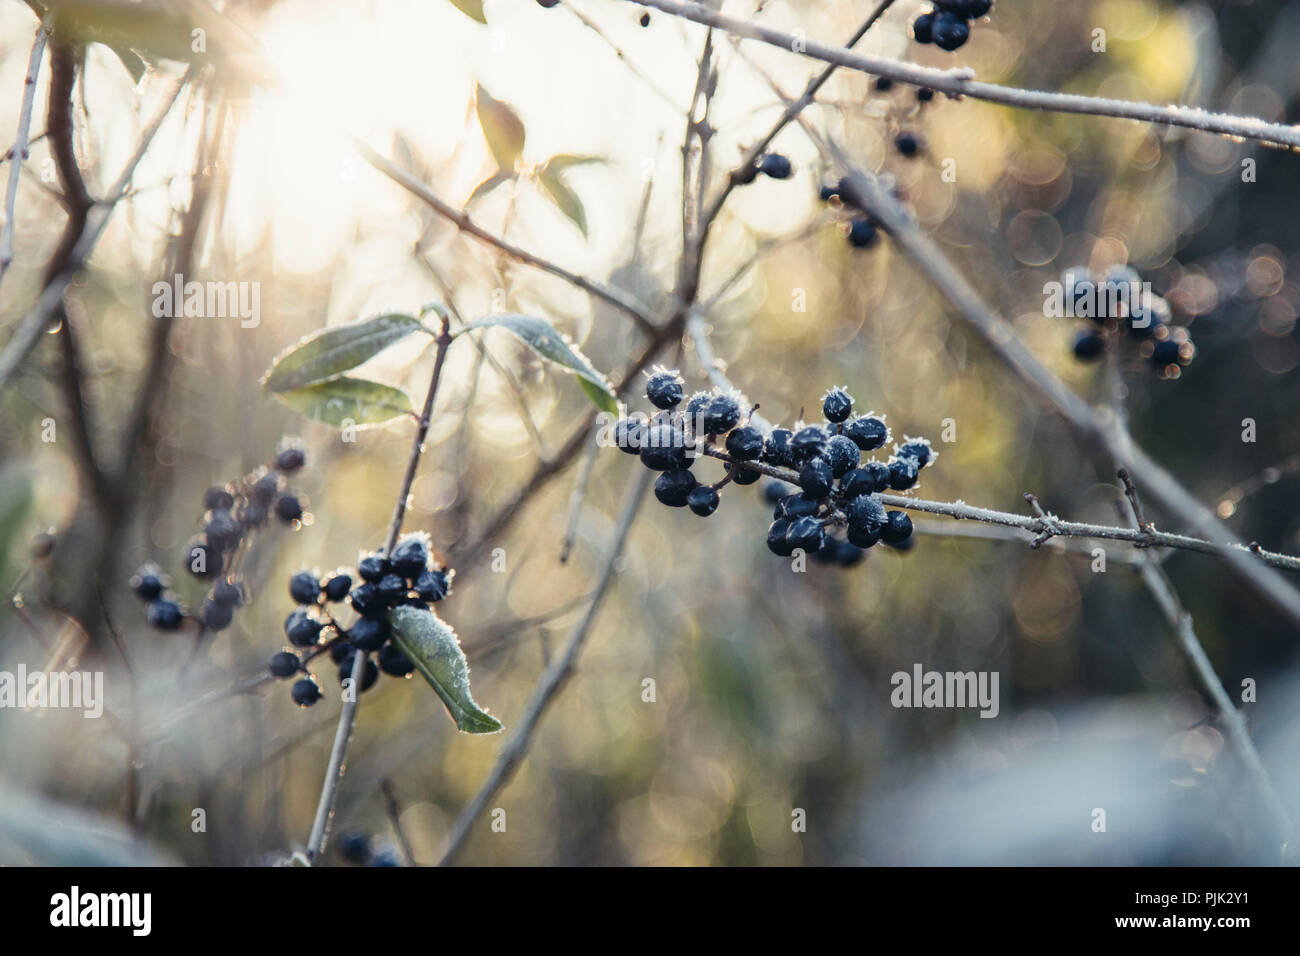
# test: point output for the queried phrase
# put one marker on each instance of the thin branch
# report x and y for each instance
(1042, 523)
(957, 83)
(550, 683)
(395, 817)
(620, 300)
(22, 141)
(29, 330)
(348, 714)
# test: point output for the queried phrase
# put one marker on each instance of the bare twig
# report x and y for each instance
(21, 142)
(348, 714)
(395, 817)
(550, 683)
(958, 83)
(615, 297)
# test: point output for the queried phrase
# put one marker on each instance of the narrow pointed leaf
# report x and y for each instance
(345, 401)
(561, 162)
(431, 644)
(471, 8)
(502, 128)
(565, 199)
(486, 186)
(548, 342)
(333, 351)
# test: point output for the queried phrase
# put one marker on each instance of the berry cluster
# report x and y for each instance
(233, 513)
(947, 25)
(408, 577)
(828, 487)
(862, 231)
(1116, 305)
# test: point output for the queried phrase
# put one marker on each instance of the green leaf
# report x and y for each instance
(431, 644)
(471, 8)
(492, 182)
(502, 128)
(562, 162)
(348, 401)
(544, 339)
(331, 352)
(565, 198)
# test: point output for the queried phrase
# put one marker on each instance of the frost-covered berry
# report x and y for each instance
(837, 404)
(664, 389)
(808, 443)
(815, 478)
(903, 472)
(878, 471)
(433, 585)
(628, 435)
(897, 528)
(745, 443)
(365, 599)
(337, 586)
(742, 475)
(799, 506)
(721, 415)
(842, 454)
(703, 500)
(777, 449)
(864, 537)
(777, 538)
(672, 487)
(410, 556)
(390, 589)
(664, 448)
(867, 432)
(857, 482)
(368, 633)
(865, 512)
(807, 534)
(918, 448)
(696, 405)
(372, 567)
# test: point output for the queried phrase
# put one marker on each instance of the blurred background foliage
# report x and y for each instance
(772, 687)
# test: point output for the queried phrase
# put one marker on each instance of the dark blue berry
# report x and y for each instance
(284, 664)
(815, 478)
(672, 487)
(867, 432)
(777, 538)
(304, 588)
(288, 509)
(776, 166)
(799, 506)
(365, 599)
(664, 390)
(433, 585)
(664, 449)
(742, 475)
(372, 567)
(368, 633)
(216, 616)
(864, 513)
(878, 472)
(774, 489)
(218, 499)
(337, 586)
(969, 9)
(697, 404)
(369, 673)
(862, 233)
(884, 84)
(745, 443)
(387, 857)
(265, 489)
(827, 193)
(807, 534)
(165, 615)
(147, 583)
(394, 662)
(305, 692)
(922, 27)
(903, 472)
(864, 537)
(410, 557)
(1089, 345)
(721, 415)
(222, 531)
(628, 435)
(1165, 354)
(836, 405)
(251, 514)
(354, 847)
(842, 454)
(777, 450)
(808, 443)
(341, 650)
(907, 144)
(846, 554)
(897, 529)
(949, 32)
(919, 449)
(857, 482)
(227, 592)
(390, 589)
(288, 460)
(702, 500)
(301, 628)
(924, 94)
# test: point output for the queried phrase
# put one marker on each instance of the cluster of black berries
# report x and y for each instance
(827, 486)
(1118, 304)
(408, 577)
(233, 513)
(359, 849)
(947, 26)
